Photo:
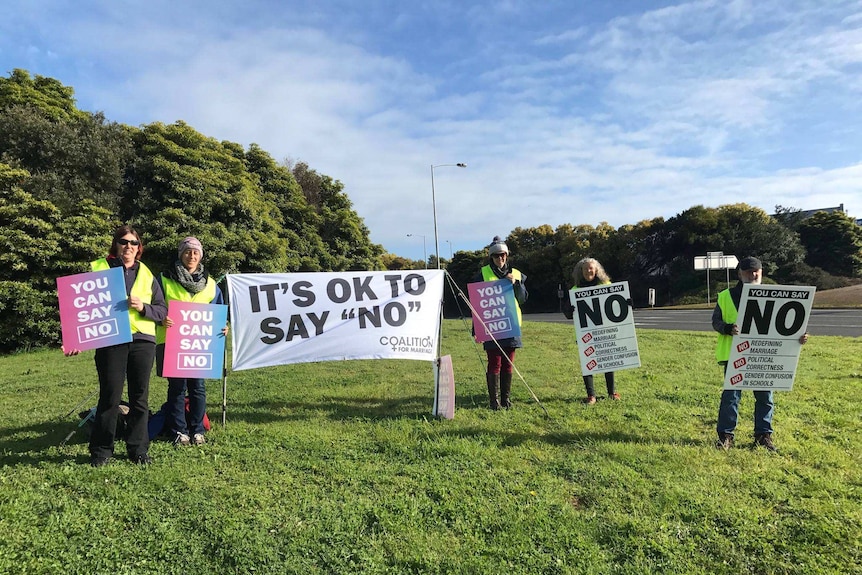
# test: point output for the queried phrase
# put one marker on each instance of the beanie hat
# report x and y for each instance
(498, 246)
(190, 243)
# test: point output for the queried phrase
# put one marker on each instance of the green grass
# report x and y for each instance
(339, 468)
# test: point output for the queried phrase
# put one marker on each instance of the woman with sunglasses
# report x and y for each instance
(501, 352)
(131, 361)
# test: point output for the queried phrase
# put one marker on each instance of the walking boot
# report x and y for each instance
(505, 390)
(493, 389)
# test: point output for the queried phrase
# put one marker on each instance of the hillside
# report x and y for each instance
(850, 296)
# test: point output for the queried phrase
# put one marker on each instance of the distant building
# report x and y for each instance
(804, 214)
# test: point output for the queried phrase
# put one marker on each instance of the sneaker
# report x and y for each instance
(724, 441)
(142, 459)
(616, 396)
(765, 440)
(199, 439)
(181, 439)
(97, 461)
(589, 400)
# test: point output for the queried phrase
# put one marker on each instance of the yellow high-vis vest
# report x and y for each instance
(728, 315)
(143, 289)
(489, 276)
(175, 291)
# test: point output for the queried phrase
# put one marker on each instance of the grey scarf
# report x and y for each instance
(193, 282)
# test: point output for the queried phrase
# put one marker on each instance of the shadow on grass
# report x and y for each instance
(335, 408)
(30, 444)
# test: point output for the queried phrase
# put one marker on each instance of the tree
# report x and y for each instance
(69, 158)
(833, 242)
(305, 248)
(341, 229)
(38, 243)
(184, 183)
(50, 96)
(535, 251)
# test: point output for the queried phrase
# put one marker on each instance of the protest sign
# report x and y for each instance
(765, 353)
(280, 319)
(605, 328)
(94, 309)
(497, 310)
(194, 344)
(444, 393)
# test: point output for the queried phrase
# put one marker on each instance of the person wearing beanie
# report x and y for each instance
(750, 271)
(131, 361)
(501, 353)
(589, 272)
(186, 280)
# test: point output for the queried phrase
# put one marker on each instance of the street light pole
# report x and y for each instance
(424, 251)
(434, 207)
(451, 253)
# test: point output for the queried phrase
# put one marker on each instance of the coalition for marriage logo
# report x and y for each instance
(408, 344)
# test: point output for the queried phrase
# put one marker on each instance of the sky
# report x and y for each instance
(564, 112)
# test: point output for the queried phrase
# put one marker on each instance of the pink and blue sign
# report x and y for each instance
(497, 310)
(94, 309)
(194, 344)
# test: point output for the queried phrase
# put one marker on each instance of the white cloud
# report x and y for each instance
(562, 115)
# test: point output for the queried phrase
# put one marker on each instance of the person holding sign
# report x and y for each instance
(128, 361)
(186, 280)
(499, 373)
(750, 271)
(589, 272)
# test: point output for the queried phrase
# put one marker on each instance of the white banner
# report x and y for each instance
(771, 320)
(279, 319)
(605, 328)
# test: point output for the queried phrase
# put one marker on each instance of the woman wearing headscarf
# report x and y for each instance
(186, 280)
(589, 272)
(131, 361)
(501, 353)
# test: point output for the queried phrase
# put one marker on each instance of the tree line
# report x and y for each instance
(69, 177)
(824, 250)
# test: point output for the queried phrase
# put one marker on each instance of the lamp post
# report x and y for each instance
(424, 251)
(451, 253)
(434, 207)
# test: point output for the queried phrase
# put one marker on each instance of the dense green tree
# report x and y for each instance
(39, 243)
(833, 242)
(306, 250)
(536, 252)
(341, 229)
(50, 96)
(69, 157)
(184, 183)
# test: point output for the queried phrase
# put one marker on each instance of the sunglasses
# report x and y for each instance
(125, 242)
(500, 255)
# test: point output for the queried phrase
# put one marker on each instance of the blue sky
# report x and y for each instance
(564, 111)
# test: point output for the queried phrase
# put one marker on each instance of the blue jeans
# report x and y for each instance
(728, 411)
(177, 422)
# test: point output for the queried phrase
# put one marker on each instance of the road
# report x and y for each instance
(844, 322)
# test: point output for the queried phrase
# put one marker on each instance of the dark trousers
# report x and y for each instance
(609, 383)
(116, 364)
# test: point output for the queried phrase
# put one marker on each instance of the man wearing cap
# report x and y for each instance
(750, 271)
(501, 353)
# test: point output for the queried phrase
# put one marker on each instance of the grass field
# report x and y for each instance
(339, 468)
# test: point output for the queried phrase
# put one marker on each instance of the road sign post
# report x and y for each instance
(715, 261)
